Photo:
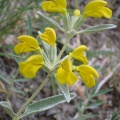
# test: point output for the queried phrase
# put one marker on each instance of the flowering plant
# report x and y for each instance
(46, 58)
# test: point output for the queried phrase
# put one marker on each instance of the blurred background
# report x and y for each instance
(19, 17)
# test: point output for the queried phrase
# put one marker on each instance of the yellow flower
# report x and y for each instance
(97, 9)
(77, 13)
(55, 6)
(30, 67)
(27, 44)
(49, 36)
(64, 73)
(78, 54)
(87, 73)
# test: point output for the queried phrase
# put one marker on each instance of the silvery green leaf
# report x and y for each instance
(45, 57)
(3, 78)
(53, 53)
(88, 116)
(97, 28)
(22, 80)
(65, 90)
(18, 91)
(7, 108)
(78, 23)
(50, 21)
(73, 21)
(45, 104)
(66, 20)
(102, 92)
(95, 105)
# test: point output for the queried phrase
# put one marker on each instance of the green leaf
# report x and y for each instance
(29, 26)
(3, 78)
(78, 23)
(22, 80)
(18, 91)
(96, 104)
(7, 108)
(50, 21)
(88, 116)
(97, 28)
(65, 90)
(102, 92)
(53, 53)
(45, 104)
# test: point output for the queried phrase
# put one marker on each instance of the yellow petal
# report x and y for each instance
(30, 67)
(61, 75)
(55, 6)
(27, 44)
(99, 11)
(71, 78)
(64, 73)
(49, 36)
(87, 79)
(67, 65)
(88, 69)
(87, 73)
(95, 4)
(78, 54)
(65, 77)
(61, 3)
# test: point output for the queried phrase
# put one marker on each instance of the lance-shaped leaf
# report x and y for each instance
(50, 21)
(53, 53)
(97, 28)
(8, 109)
(65, 90)
(45, 104)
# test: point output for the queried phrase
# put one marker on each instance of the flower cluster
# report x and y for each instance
(66, 71)
(95, 8)
(27, 43)
(65, 74)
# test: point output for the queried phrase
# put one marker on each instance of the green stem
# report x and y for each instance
(34, 95)
(63, 49)
(84, 107)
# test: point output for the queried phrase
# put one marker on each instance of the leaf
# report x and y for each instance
(97, 28)
(78, 23)
(3, 78)
(18, 91)
(22, 80)
(50, 21)
(45, 104)
(96, 104)
(29, 26)
(53, 53)
(88, 116)
(7, 108)
(65, 90)
(102, 92)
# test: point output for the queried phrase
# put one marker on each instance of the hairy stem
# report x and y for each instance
(34, 95)
(63, 49)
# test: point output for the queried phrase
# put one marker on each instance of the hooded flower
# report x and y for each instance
(49, 36)
(78, 54)
(87, 74)
(64, 73)
(97, 9)
(27, 44)
(55, 6)
(30, 67)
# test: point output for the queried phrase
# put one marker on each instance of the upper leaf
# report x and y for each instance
(97, 28)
